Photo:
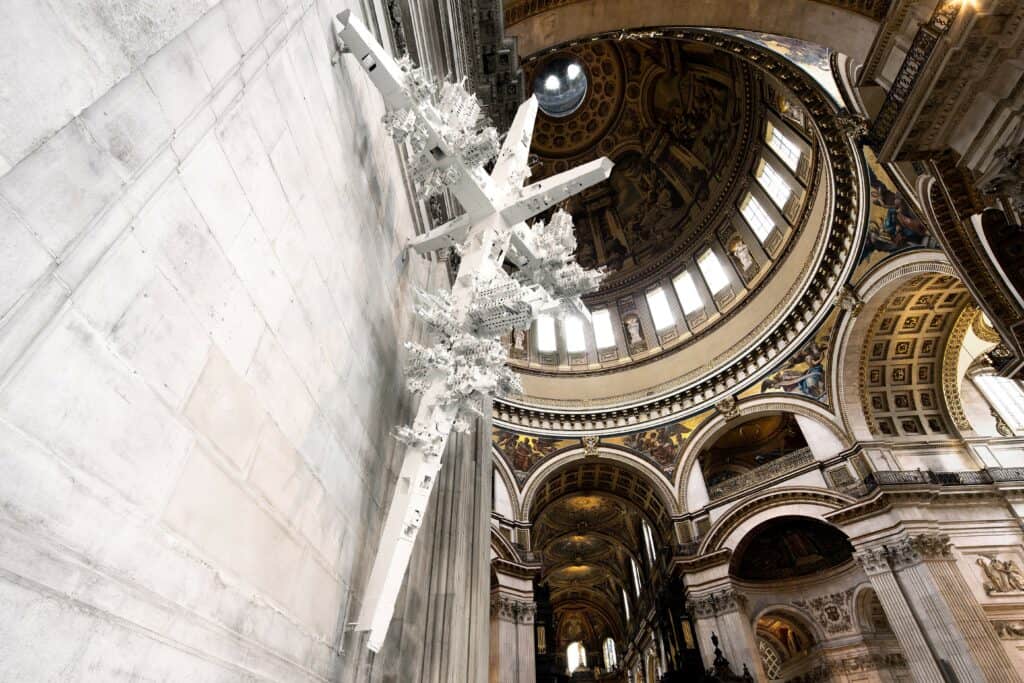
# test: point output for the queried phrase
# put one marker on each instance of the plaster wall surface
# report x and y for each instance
(201, 297)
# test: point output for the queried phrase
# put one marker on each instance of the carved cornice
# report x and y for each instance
(953, 200)
(521, 10)
(881, 136)
(683, 397)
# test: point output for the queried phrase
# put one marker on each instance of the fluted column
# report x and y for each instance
(724, 612)
(931, 610)
(875, 562)
(512, 651)
(986, 650)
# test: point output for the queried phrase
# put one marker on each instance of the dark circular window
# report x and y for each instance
(560, 86)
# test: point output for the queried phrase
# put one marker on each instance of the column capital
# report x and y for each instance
(873, 560)
(712, 604)
(512, 609)
(932, 546)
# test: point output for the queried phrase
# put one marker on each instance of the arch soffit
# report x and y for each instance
(873, 290)
(505, 472)
(660, 484)
(808, 20)
(803, 619)
(503, 547)
(797, 501)
(716, 424)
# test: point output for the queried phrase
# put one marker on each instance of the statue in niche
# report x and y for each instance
(519, 339)
(634, 334)
(1004, 576)
(740, 253)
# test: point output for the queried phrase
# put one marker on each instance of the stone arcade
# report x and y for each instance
(534, 341)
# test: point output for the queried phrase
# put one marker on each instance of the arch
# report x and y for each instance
(863, 610)
(505, 472)
(778, 549)
(502, 547)
(852, 332)
(644, 471)
(803, 618)
(812, 21)
(796, 501)
(717, 424)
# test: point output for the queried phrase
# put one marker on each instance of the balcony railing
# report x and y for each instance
(968, 478)
(788, 463)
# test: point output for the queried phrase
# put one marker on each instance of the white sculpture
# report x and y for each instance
(468, 361)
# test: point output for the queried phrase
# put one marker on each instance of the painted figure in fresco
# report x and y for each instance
(523, 451)
(661, 444)
(804, 373)
(892, 224)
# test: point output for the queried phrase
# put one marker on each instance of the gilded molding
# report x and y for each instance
(950, 362)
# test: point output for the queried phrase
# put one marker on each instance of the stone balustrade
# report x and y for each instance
(779, 467)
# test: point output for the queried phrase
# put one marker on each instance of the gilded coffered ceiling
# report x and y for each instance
(902, 366)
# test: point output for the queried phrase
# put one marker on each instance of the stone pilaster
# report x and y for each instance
(512, 653)
(985, 648)
(875, 562)
(929, 606)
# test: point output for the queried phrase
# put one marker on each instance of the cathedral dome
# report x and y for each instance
(712, 228)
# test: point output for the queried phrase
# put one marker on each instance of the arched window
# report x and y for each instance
(576, 656)
(610, 660)
(652, 554)
(625, 603)
(1006, 396)
(787, 150)
(636, 576)
(774, 184)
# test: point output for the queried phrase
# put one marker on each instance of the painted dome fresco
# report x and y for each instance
(719, 230)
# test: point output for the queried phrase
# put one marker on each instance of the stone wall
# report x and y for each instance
(201, 291)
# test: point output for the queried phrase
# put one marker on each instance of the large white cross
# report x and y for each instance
(484, 301)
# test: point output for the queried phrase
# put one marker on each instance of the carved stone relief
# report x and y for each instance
(831, 611)
(1001, 576)
(1009, 630)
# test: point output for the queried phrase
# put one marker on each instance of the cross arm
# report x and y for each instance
(541, 196)
(381, 67)
(447, 235)
(514, 155)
